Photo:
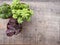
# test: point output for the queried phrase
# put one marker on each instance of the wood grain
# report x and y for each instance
(43, 29)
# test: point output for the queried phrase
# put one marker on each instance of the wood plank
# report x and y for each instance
(43, 29)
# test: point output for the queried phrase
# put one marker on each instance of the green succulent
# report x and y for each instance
(21, 11)
(5, 11)
(17, 10)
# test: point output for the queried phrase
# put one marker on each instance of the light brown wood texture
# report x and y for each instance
(43, 29)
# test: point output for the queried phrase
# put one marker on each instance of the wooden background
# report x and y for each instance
(43, 29)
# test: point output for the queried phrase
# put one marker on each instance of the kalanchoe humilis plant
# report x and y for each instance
(17, 13)
(21, 11)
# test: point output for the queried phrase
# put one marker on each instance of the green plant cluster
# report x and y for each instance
(19, 11)
(5, 11)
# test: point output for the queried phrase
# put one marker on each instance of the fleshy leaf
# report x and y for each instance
(15, 16)
(20, 20)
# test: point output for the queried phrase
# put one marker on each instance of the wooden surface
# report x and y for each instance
(43, 29)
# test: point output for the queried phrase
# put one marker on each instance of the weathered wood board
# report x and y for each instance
(43, 29)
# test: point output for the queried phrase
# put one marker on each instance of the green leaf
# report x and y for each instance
(19, 20)
(28, 19)
(13, 11)
(23, 5)
(15, 16)
(30, 12)
(24, 15)
(18, 12)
